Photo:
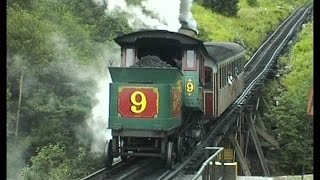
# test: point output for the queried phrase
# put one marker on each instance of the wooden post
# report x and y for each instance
(242, 159)
(256, 141)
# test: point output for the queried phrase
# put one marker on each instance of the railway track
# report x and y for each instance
(256, 71)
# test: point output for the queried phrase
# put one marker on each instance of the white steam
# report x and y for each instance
(98, 123)
(186, 14)
(150, 14)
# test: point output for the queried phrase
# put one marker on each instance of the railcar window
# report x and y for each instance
(202, 70)
(220, 77)
(233, 67)
(242, 64)
(190, 59)
(208, 78)
(129, 57)
(229, 67)
(236, 65)
(224, 75)
(228, 71)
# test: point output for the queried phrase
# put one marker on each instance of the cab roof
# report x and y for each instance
(131, 38)
(213, 51)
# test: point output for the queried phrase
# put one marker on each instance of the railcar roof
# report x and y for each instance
(223, 50)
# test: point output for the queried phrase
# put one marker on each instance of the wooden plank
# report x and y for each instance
(260, 122)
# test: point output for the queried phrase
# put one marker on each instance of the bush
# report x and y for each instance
(252, 3)
(224, 7)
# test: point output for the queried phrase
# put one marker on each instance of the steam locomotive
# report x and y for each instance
(168, 91)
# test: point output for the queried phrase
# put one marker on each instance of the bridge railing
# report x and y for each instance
(207, 170)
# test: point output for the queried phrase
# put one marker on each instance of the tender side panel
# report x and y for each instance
(143, 107)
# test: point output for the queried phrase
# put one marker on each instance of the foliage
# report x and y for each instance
(50, 163)
(58, 47)
(252, 3)
(104, 27)
(224, 7)
(135, 2)
(292, 126)
(251, 26)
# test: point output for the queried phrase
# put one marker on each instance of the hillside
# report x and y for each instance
(250, 27)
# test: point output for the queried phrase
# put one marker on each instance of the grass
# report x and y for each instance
(301, 62)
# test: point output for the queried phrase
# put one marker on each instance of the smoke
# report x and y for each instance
(98, 122)
(186, 14)
(150, 14)
(15, 163)
(97, 73)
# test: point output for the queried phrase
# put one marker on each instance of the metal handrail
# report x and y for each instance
(219, 149)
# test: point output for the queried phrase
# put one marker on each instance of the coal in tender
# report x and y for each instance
(152, 62)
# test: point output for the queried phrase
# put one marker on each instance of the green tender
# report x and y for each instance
(165, 80)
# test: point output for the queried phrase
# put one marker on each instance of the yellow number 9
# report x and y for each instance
(138, 106)
(190, 87)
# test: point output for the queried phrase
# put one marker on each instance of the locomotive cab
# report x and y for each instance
(179, 50)
(165, 84)
(168, 50)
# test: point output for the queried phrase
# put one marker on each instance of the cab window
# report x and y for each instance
(191, 60)
(129, 57)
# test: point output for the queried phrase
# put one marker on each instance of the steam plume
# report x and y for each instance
(98, 122)
(150, 14)
(186, 15)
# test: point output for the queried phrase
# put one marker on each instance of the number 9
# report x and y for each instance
(138, 106)
(190, 87)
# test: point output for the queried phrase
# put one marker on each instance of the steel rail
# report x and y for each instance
(253, 82)
(270, 37)
(273, 43)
